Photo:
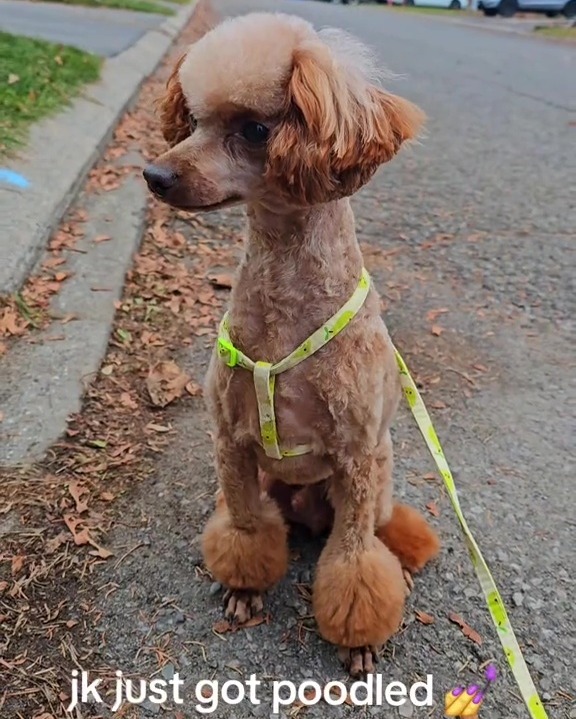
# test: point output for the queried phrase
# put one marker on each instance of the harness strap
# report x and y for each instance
(264, 372)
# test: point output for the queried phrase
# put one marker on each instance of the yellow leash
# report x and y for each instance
(489, 588)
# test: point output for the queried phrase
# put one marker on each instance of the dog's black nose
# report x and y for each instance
(160, 179)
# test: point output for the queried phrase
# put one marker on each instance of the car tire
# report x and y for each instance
(455, 5)
(490, 11)
(508, 8)
(570, 9)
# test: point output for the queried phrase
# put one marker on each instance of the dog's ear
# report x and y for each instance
(174, 114)
(334, 135)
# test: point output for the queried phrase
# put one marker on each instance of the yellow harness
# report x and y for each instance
(265, 372)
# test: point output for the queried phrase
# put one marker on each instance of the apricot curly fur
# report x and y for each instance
(246, 560)
(359, 602)
(409, 536)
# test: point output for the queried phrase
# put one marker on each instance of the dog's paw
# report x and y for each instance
(242, 559)
(359, 601)
(241, 605)
(359, 661)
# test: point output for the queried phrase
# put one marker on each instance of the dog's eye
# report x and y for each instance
(193, 123)
(255, 133)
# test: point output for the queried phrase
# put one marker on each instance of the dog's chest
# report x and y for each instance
(301, 415)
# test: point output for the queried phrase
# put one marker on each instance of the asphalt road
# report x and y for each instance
(471, 231)
(99, 30)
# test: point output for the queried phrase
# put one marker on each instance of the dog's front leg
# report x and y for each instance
(245, 541)
(359, 590)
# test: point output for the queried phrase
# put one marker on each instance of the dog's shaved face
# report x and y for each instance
(264, 109)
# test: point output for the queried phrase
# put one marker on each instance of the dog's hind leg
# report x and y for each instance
(359, 590)
(403, 529)
(245, 541)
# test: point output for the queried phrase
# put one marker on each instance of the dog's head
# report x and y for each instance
(263, 108)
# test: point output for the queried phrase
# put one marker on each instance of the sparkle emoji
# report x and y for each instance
(466, 703)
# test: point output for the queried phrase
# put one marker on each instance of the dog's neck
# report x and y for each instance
(298, 270)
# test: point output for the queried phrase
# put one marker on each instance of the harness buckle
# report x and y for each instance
(227, 348)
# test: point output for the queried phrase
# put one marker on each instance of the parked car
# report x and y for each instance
(451, 4)
(508, 8)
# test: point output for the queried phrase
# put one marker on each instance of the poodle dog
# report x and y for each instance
(265, 111)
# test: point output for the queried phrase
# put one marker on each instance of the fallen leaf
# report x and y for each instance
(12, 78)
(101, 552)
(107, 496)
(424, 618)
(193, 388)
(56, 542)
(158, 427)
(253, 622)
(336, 692)
(222, 626)
(11, 323)
(165, 383)
(467, 630)
(53, 262)
(124, 335)
(223, 281)
(432, 315)
(18, 563)
(3, 587)
(71, 623)
(430, 476)
(126, 400)
(438, 404)
(77, 490)
(432, 507)
(437, 330)
(98, 443)
(80, 536)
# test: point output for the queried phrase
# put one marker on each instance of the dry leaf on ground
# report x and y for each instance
(467, 630)
(77, 490)
(165, 383)
(424, 618)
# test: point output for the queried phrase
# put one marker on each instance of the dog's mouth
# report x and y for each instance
(191, 207)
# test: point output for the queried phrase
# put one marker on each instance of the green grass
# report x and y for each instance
(137, 5)
(36, 79)
(562, 33)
